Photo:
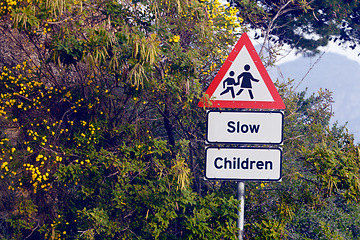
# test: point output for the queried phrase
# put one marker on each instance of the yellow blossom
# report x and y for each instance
(175, 39)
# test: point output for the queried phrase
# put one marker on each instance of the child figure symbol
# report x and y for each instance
(229, 83)
(246, 82)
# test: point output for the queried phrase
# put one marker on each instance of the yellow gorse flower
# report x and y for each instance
(175, 39)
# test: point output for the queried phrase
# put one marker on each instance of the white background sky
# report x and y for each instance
(333, 47)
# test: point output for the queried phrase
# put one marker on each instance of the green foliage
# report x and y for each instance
(334, 169)
(315, 224)
(271, 229)
(100, 105)
(213, 218)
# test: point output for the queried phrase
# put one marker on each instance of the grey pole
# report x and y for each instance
(241, 197)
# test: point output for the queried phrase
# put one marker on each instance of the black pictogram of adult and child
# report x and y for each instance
(229, 83)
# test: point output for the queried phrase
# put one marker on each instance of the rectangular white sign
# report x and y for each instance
(244, 127)
(251, 164)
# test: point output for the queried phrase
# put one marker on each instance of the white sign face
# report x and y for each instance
(244, 127)
(251, 164)
(243, 81)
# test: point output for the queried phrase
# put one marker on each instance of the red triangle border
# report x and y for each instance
(244, 41)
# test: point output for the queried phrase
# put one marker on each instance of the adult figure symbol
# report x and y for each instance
(247, 77)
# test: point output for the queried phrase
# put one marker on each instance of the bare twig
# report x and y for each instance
(271, 24)
(83, 232)
(32, 231)
(312, 66)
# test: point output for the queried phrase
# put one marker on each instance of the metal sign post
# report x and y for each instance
(241, 198)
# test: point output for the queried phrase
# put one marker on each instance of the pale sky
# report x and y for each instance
(332, 47)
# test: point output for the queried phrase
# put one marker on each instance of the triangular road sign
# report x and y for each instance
(242, 82)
